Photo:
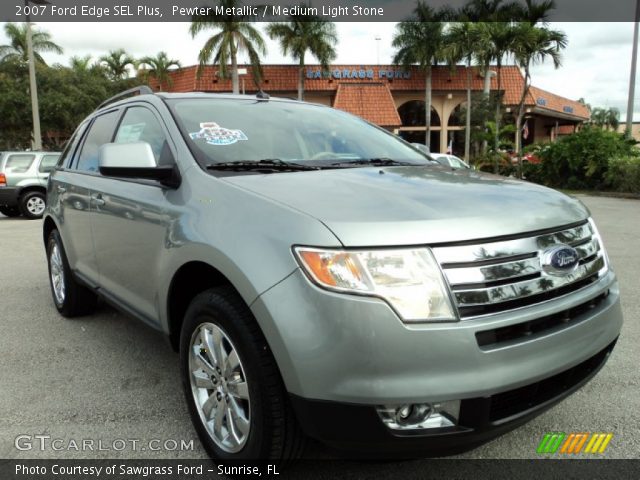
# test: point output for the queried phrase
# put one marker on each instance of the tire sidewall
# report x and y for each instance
(54, 239)
(25, 199)
(203, 310)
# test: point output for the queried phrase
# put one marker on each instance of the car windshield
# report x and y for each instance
(223, 131)
(457, 163)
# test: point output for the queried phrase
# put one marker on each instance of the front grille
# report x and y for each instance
(499, 275)
(497, 337)
(513, 402)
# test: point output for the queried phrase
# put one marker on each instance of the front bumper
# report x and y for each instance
(357, 429)
(352, 349)
(9, 196)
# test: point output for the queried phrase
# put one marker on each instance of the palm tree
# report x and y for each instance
(499, 38)
(17, 48)
(80, 64)
(420, 40)
(461, 45)
(606, 118)
(305, 33)
(160, 65)
(116, 63)
(533, 45)
(235, 35)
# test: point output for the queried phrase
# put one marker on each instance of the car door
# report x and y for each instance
(70, 195)
(132, 219)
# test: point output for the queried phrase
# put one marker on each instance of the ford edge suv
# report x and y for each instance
(321, 277)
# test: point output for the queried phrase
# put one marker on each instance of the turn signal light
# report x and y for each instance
(3, 180)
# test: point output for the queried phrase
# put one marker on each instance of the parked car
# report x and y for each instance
(529, 157)
(320, 277)
(23, 182)
(450, 160)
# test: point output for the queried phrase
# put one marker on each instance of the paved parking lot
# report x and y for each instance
(108, 377)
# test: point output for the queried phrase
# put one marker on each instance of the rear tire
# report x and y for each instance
(10, 211)
(32, 205)
(70, 297)
(255, 422)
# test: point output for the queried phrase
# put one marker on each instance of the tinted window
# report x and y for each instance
(48, 163)
(235, 130)
(140, 125)
(101, 132)
(70, 147)
(19, 163)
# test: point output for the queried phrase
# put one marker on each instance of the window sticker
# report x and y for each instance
(214, 134)
(130, 133)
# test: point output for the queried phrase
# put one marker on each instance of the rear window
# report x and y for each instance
(226, 130)
(19, 163)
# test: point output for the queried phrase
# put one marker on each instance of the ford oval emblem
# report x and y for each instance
(560, 260)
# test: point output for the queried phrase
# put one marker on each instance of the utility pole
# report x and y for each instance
(33, 88)
(632, 79)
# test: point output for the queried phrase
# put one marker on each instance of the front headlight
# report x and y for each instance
(408, 279)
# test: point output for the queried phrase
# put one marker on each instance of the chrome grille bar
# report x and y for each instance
(502, 275)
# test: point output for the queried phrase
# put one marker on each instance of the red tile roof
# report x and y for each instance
(371, 101)
(284, 78)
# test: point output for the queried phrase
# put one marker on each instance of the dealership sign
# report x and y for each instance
(369, 73)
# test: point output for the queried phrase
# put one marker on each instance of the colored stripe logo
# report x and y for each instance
(574, 443)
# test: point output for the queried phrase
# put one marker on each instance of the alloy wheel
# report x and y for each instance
(219, 387)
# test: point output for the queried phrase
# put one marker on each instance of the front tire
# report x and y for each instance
(32, 205)
(236, 398)
(70, 298)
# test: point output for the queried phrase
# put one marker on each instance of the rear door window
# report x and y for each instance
(48, 163)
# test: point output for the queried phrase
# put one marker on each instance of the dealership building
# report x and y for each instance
(393, 97)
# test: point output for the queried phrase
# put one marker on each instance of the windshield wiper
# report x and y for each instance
(378, 162)
(267, 165)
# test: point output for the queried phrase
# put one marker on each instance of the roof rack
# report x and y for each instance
(141, 90)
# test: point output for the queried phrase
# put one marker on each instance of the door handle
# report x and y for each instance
(61, 189)
(97, 199)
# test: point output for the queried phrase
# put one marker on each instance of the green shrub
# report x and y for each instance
(623, 174)
(487, 162)
(581, 160)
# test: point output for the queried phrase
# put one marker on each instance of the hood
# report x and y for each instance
(416, 205)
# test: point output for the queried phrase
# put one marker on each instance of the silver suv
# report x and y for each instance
(321, 277)
(23, 182)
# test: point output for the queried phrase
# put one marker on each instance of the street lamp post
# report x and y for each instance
(33, 86)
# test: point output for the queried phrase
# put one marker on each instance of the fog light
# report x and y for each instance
(419, 416)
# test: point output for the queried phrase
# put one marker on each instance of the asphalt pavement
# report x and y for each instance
(109, 379)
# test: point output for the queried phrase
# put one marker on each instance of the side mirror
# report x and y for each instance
(135, 160)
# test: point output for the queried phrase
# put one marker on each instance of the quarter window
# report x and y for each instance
(101, 132)
(19, 163)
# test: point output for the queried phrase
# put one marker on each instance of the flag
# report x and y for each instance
(450, 147)
(525, 130)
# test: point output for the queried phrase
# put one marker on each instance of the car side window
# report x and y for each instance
(100, 132)
(19, 163)
(48, 163)
(139, 124)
